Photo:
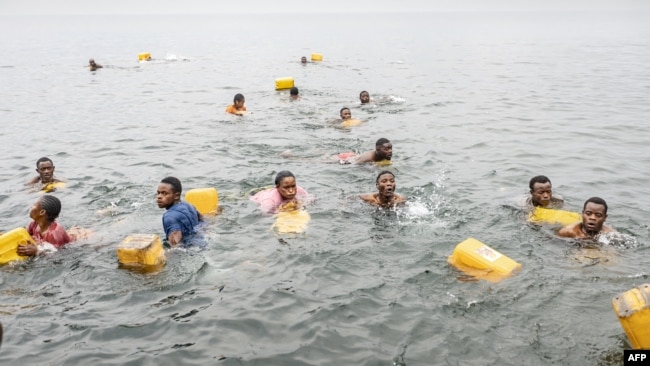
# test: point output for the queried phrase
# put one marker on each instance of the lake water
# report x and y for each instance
(475, 105)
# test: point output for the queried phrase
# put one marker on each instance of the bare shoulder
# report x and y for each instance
(570, 231)
(366, 157)
(399, 198)
(369, 198)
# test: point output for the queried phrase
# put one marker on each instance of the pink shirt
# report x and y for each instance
(55, 235)
(270, 199)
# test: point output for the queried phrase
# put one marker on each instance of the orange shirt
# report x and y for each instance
(231, 109)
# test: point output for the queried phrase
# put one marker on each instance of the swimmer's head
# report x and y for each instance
(597, 201)
(239, 100)
(294, 92)
(364, 96)
(175, 184)
(91, 62)
(345, 113)
(47, 205)
(386, 183)
(303, 59)
(384, 173)
(594, 214)
(45, 169)
(281, 175)
(285, 182)
(169, 192)
(383, 149)
(541, 190)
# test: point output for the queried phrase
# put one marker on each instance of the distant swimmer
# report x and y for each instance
(45, 170)
(45, 231)
(345, 113)
(364, 97)
(238, 105)
(92, 65)
(346, 118)
(383, 152)
(594, 214)
(303, 60)
(541, 194)
(386, 196)
(180, 220)
(294, 93)
(285, 196)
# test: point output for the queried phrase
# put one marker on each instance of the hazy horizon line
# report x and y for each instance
(336, 12)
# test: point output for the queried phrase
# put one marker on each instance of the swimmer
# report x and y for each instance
(364, 97)
(293, 93)
(303, 60)
(92, 65)
(45, 231)
(238, 105)
(346, 118)
(594, 214)
(345, 113)
(383, 151)
(541, 194)
(180, 220)
(45, 170)
(285, 196)
(386, 196)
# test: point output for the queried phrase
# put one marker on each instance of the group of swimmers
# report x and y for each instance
(594, 210)
(181, 221)
(237, 107)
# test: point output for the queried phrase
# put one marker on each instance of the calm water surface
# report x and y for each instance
(478, 103)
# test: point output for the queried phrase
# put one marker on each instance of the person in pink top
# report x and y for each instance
(44, 229)
(285, 196)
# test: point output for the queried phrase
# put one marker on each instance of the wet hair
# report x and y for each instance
(342, 109)
(238, 98)
(596, 200)
(42, 160)
(538, 179)
(360, 94)
(384, 172)
(51, 205)
(281, 175)
(293, 91)
(381, 141)
(174, 182)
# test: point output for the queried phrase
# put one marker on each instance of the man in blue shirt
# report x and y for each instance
(181, 219)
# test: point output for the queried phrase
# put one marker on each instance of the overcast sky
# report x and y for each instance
(10, 7)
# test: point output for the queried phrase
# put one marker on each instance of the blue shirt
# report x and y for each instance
(182, 217)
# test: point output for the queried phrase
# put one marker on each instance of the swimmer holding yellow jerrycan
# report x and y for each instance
(181, 223)
(346, 118)
(43, 234)
(45, 181)
(287, 200)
